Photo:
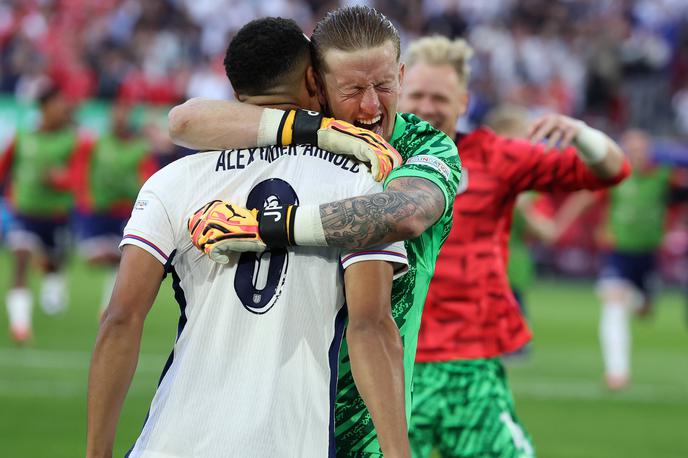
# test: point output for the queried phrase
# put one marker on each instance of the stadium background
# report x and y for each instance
(613, 63)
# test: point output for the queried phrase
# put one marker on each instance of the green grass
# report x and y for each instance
(558, 391)
(560, 395)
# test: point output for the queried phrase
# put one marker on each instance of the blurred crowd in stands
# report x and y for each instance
(613, 62)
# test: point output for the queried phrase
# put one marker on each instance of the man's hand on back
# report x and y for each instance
(219, 228)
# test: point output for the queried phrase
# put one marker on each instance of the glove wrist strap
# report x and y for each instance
(276, 226)
(306, 125)
(292, 225)
(299, 127)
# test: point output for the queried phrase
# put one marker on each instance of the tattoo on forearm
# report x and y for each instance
(364, 221)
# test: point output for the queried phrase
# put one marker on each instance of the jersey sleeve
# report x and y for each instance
(428, 154)
(150, 226)
(394, 253)
(527, 166)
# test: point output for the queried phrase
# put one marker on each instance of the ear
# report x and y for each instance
(402, 68)
(314, 80)
(311, 81)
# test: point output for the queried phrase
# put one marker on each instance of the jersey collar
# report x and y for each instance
(399, 128)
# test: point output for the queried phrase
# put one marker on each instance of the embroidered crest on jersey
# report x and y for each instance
(432, 162)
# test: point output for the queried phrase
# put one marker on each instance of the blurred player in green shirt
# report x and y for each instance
(106, 180)
(634, 232)
(36, 166)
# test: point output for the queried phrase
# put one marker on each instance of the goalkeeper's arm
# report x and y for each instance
(206, 124)
(214, 124)
(408, 207)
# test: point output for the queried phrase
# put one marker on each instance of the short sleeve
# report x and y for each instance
(150, 227)
(394, 253)
(429, 154)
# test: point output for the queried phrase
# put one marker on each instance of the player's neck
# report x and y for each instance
(279, 101)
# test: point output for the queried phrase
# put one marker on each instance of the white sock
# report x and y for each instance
(53, 294)
(108, 286)
(19, 305)
(615, 339)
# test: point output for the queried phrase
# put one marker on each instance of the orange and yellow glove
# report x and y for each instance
(309, 127)
(219, 228)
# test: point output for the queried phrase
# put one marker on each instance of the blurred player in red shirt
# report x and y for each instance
(462, 403)
(528, 220)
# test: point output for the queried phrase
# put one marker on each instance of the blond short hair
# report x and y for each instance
(351, 29)
(508, 120)
(439, 50)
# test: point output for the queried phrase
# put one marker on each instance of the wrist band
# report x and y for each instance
(268, 128)
(292, 225)
(292, 127)
(276, 226)
(308, 228)
(286, 128)
(591, 144)
(305, 128)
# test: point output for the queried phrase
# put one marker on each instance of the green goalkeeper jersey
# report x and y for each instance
(429, 154)
(36, 155)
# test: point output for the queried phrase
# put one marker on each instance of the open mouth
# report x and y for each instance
(374, 124)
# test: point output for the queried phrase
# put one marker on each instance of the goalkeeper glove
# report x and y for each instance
(312, 128)
(218, 228)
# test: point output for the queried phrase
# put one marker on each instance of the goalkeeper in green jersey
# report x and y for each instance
(36, 166)
(358, 70)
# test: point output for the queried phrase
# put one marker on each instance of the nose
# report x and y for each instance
(370, 103)
(425, 107)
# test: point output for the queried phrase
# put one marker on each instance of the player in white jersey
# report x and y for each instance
(253, 370)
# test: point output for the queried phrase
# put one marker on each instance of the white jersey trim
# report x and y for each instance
(396, 257)
(142, 242)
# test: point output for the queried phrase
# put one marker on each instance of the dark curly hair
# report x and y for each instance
(264, 53)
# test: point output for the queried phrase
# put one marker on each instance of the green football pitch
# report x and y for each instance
(558, 390)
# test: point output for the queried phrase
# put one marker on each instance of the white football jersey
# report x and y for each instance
(253, 371)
